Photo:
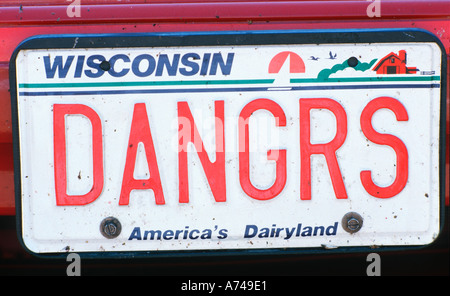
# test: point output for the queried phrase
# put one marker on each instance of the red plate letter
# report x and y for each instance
(214, 171)
(328, 149)
(278, 155)
(385, 139)
(59, 133)
(140, 133)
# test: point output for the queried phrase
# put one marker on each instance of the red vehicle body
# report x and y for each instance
(22, 19)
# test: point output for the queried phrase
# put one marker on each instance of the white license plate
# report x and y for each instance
(228, 141)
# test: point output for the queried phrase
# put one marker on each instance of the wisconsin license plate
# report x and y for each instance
(187, 142)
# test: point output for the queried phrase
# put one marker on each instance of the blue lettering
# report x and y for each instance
(332, 229)
(143, 65)
(79, 67)
(320, 229)
(222, 234)
(289, 232)
(193, 65)
(191, 234)
(217, 60)
(264, 232)
(307, 231)
(136, 234)
(96, 66)
(250, 231)
(50, 70)
(205, 64)
(206, 234)
(163, 62)
(137, 61)
(112, 62)
(168, 234)
(186, 231)
(152, 234)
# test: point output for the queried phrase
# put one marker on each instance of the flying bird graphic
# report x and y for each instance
(332, 57)
(313, 58)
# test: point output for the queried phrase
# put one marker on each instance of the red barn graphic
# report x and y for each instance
(394, 64)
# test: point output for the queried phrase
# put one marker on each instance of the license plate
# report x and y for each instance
(228, 142)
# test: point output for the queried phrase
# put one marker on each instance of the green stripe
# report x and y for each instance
(224, 82)
(365, 79)
(144, 83)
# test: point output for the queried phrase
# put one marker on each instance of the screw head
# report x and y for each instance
(352, 62)
(110, 227)
(105, 65)
(352, 222)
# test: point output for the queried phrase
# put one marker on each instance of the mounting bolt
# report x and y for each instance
(352, 222)
(105, 65)
(352, 62)
(110, 227)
